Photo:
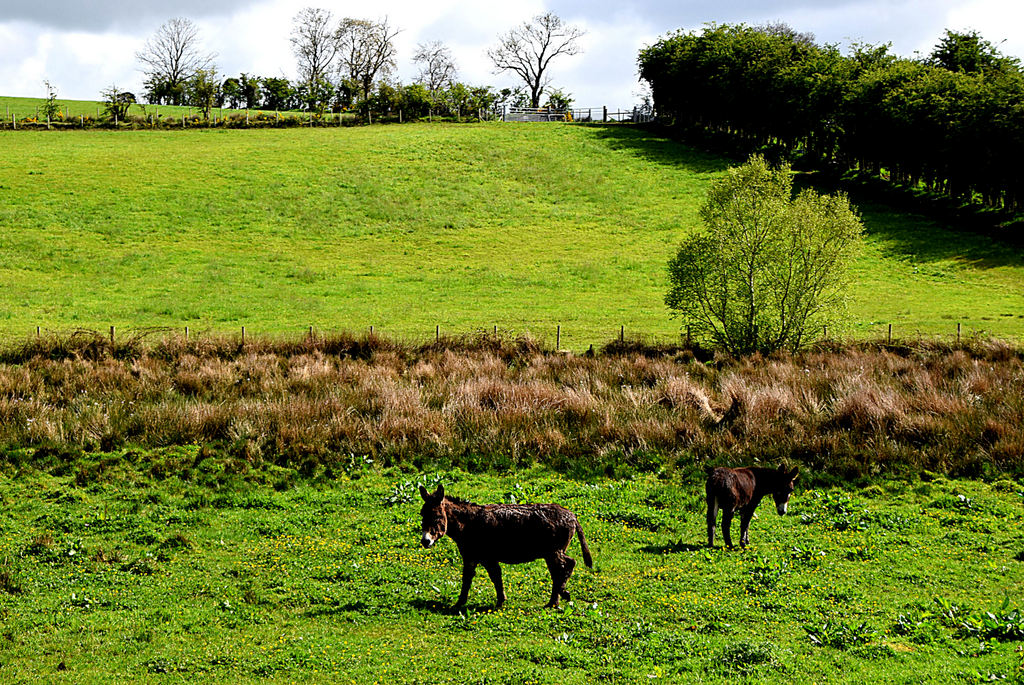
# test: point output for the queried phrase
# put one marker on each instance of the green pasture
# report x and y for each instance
(109, 574)
(25, 108)
(412, 227)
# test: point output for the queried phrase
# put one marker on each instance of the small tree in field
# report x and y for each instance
(770, 270)
(50, 108)
(203, 90)
(117, 102)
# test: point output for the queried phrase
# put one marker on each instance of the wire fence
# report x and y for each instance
(634, 115)
(543, 334)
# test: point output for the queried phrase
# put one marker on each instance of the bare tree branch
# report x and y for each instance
(437, 70)
(528, 49)
(367, 51)
(313, 43)
(174, 54)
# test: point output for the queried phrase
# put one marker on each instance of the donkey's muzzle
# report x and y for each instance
(427, 541)
(781, 508)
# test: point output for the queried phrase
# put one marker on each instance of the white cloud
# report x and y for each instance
(998, 21)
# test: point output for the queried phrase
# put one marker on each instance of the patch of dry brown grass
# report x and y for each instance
(856, 409)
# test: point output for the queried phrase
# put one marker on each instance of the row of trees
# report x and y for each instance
(351, 63)
(952, 122)
(415, 100)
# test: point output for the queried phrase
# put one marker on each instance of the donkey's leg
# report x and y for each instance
(468, 570)
(555, 568)
(712, 516)
(726, 526)
(746, 514)
(568, 564)
(494, 571)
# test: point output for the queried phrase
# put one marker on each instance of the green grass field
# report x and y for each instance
(125, 578)
(405, 228)
(25, 108)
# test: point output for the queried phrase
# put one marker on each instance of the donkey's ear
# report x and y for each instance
(782, 468)
(795, 473)
(439, 493)
(424, 494)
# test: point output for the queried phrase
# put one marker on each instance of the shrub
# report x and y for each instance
(769, 270)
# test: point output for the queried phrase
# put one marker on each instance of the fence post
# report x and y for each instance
(111, 335)
(437, 333)
(890, 334)
(604, 114)
(186, 332)
(558, 338)
(371, 330)
(310, 334)
(957, 332)
(622, 332)
(37, 331)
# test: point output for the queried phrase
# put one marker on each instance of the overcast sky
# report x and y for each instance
(84, 46)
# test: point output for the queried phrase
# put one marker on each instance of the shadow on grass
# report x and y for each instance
(654, 146)
(907, 235)
(446, 609)
(904, 226)
(674, 548)
(920, 230)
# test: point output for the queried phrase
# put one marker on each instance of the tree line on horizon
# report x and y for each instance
(349, 64)
(951, 122)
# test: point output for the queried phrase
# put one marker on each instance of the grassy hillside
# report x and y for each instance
(23, 108)
(408, 227)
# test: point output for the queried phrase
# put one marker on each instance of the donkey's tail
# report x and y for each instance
(587, 559)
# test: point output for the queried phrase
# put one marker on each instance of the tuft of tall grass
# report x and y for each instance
(487, 402)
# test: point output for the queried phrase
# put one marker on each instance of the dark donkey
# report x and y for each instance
(490, 534)
(743, 489)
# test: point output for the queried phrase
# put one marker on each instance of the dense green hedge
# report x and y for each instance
(952, 123)
(255, 120)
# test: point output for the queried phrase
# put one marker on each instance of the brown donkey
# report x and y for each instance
(743, 489)
(493, 534)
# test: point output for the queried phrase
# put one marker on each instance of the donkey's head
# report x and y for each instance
(435, 520)
(784, 481)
